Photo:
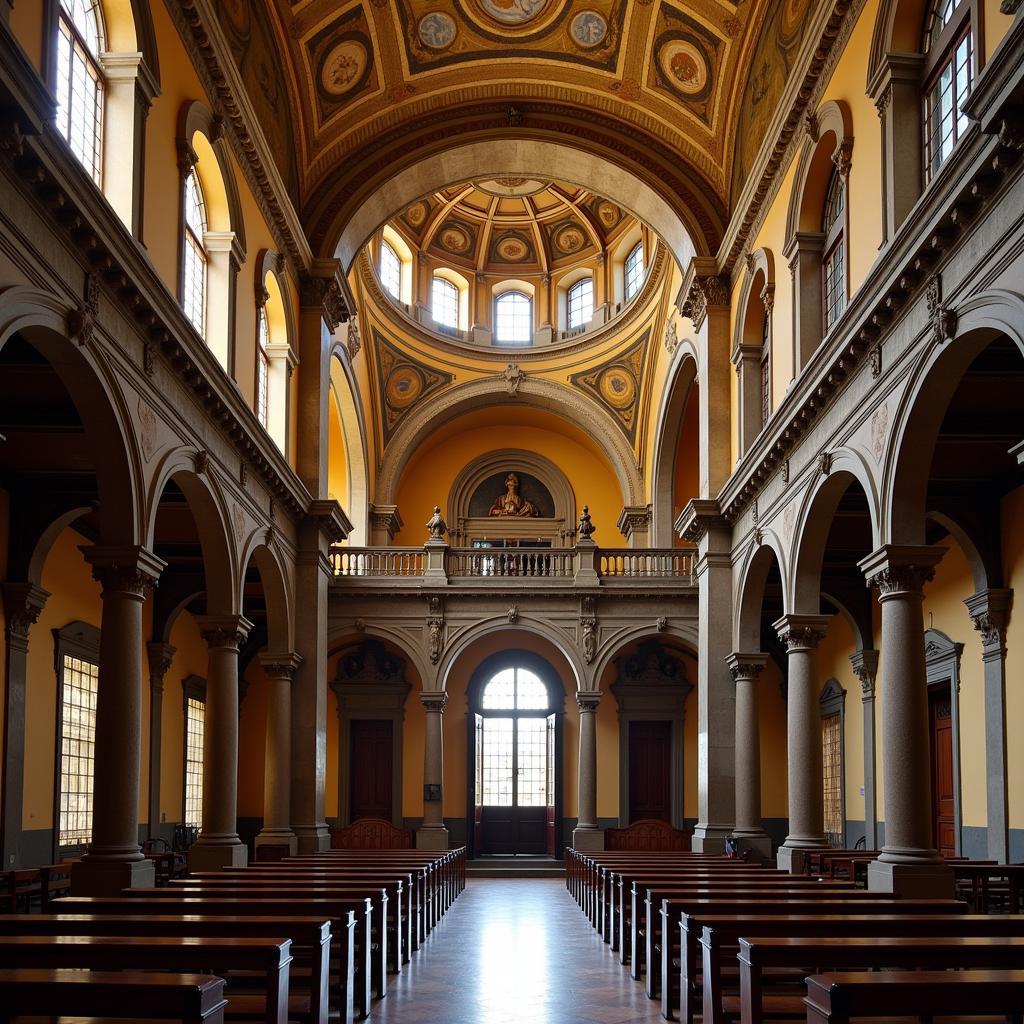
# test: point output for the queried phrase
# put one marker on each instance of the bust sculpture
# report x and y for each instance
(512, 503)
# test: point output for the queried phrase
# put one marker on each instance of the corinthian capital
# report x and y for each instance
(900, 570)
(128, 570)
(990, 613)
(22, 604)
(746, 666)
(224, 630)
(434, 702)
(280, 666)
(801, 632)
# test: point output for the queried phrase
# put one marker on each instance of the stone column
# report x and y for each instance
(586, 835)
(702, 523)
(749, 832)
(865, 667)
(114, 860)
(433, 835)
(22, 604)
(908, 863)
(990, 613)
(218, 844)
(801, 634)
(160, 656)
(277, 768)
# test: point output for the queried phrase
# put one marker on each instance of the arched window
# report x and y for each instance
(949, 74)
(193, 290)
(513, 319)
(263, 370)
(766, 369)
(581, 303)
(834, 264)
(390, 270)
(80, 81)
(634, 270)
(444, 302)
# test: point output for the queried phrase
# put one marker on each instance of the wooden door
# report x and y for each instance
(371, 755)
(944, 828)
(650, 770)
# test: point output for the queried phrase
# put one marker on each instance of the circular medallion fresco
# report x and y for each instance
(512, 249)
(791, 21)
(684, 66)
(617, 387)
(437, 30)
(454, 239)
(512, 12)
(570, 239)
(416, 214)
(608, 214)
(588, 29)
(403, 387)
(510, 187)
(343, 67)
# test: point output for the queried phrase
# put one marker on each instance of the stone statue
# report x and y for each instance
(437, 526)
(512, 503)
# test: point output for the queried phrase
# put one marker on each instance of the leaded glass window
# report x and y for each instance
(445, 302)
(195, 727)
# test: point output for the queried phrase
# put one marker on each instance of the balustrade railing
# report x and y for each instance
(511, 562)
(352, 562)
(644, 563)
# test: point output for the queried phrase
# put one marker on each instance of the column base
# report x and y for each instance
(312, 838)
(709, 838)
(110, 877)
(588, 839)
(794, 858)
(213, 856)
(432, 837)
(925, 879)
(760, 842)
(274, 844)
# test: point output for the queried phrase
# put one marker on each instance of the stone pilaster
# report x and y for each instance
(385, 523)
(586, 835)
(634, 523)
(990, 613)
(865, 668)
(747, 360)
(908, 863)
(114, 860)
(160, 655)
(749, 832)
(277, 768)
(801, 635)
(218, 844)
(433, 835)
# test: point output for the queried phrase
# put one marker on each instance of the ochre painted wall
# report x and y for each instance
(1013, 568)
(252, 739)
(772, 720)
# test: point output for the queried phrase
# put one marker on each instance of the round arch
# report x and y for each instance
(514, 658)
(760, 270)
(356, 496)
(350, 634)
(276, 593)
(666, 446)
(753, 581)
(491, 391)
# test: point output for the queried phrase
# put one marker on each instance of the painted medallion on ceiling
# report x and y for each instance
(616, 385)
(402, 382)
(513, 12)
(512, 247)
(687, 61)
(342, 57)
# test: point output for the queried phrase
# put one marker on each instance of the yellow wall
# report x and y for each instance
(1013, 568)
(774, 749)
(252, 737)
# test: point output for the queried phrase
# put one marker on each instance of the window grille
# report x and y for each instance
(79, 680)
(832, 772)
(79, 85)
(834, 264)
(193, 290)
(390, 270)
(195, 725)
(634, 270)
(263, 371)
(581, 303)
(513, 319)
(445, 302)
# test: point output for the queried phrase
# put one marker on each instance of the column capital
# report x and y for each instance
(990, 612)
(280, 666)
(434, 701)
(865, 668)
(587, 700)
(228, 631)
(801, 632)
(386, 518)
(900, 569)
(160, 655)
(699, 517)
(746, 665)
(130, 569)
(22, 604)
(634, 518)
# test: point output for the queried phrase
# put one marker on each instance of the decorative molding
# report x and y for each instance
(435, 628)
(82, 321)
(588, 627)
(325, 294)
(387, 518)
(23, 603)
(943, 319)
(746, 666)
(634, 517)
(128, 570)
(865, 668)
(895, 571)
(800, 633)
(434, 703)
(280, 666)
(224, 631)
(160, 656)
(990, 612)
(701, 293)
(700, 516)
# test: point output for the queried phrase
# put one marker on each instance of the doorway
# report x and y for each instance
(650, 771)
(371, 754)
(515, 744)
(940, 713)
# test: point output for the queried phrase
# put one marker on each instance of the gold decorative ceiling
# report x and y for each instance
(350, 92)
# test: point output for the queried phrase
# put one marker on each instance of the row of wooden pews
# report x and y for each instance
(731, 941)
(308, 939)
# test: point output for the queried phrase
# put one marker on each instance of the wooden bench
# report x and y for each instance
(21, 885)
(850, 953)
(268, 957)
(836, 998)
(188, 998)
(310, 939)
(372, 834)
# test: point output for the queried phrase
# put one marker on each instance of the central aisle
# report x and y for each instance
(515, 951)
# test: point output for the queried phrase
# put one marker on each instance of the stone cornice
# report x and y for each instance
(698, 517)
(331, 517)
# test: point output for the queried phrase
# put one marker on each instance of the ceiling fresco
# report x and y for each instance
(663, 85)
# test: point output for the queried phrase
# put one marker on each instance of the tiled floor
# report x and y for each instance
(515, 951)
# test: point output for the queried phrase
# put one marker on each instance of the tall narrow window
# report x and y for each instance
(766, 370)
(832, 774)
(581, 303)
(78, 686)
(634, 270)
(193, 284)
(445, 302)
(834, 263)
(263, 371)
(390, 270)
(195, 726)
(513, 319)
(79, 83)
(949, 47)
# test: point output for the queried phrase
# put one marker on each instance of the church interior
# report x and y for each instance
(462, 464)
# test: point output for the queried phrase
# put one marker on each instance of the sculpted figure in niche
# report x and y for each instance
(512, 503)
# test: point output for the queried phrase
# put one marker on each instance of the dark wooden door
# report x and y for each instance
(371, 755)
(650, 770)
(944, 829)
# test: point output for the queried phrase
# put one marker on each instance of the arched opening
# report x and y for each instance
(677, 455)
(514, 742)
(348, 480)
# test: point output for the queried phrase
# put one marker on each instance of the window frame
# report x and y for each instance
(509, 294)
(262, 366)
(939, 56)
(834, 244)
(832, 704)
(439, 280)
(571, 292)
(765, 366)
(191, 243)
(82, 641)
(386, 246)
(626, 272)
(193, 688)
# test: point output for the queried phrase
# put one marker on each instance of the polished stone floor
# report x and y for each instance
(515, 951)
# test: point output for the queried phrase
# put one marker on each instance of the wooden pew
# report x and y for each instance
(335, 910)
(310, 939)
(836, 998)
(849, 953)
(188, 998)
(269, 957)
